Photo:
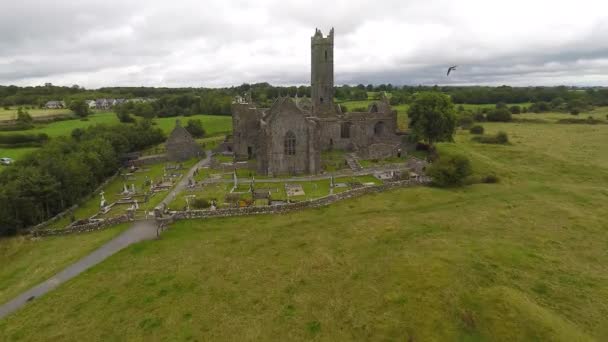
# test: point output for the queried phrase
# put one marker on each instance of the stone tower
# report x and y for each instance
(322, 72)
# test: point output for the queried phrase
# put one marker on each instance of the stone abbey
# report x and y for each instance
(289, 137)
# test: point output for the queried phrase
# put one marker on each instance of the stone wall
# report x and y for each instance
(321, 202)
(88, 227)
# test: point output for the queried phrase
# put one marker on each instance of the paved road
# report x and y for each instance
(142, 230)
(181, 185)
(139, 231)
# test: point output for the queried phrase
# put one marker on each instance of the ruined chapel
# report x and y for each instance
(288, 137)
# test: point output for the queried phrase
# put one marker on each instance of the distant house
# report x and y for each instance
(91, 104)
(54, 105)
(104, 104)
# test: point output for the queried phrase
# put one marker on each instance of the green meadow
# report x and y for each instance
(521, 260)
(27, 262)
(214, 125)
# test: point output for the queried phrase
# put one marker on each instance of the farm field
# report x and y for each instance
(11, 114)
(64, 128)
(524, 259)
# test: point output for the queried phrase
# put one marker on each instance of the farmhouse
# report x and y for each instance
(288, 137)
(54, 105)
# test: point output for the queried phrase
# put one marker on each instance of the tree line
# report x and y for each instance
(65, 170)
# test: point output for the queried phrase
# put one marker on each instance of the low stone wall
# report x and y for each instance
(149, 160)
(89, 227)
(279, 209)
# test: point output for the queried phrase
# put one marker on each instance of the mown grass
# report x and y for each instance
(16, 153)
(11, 114)
(27, 262)
(521, 260)
(65, 128)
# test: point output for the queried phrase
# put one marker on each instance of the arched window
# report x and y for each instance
(345, 130)
(290, 143)
(374, 108)
(321, 100)
(326, 55)
(379, 128)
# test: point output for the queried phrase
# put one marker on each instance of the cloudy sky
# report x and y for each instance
(217, 43)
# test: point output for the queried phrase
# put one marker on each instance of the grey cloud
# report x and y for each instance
(218, 43)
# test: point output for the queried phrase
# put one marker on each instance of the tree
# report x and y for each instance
(499, 115)
(515, 109)
(24, 119)
(432, 117)
(450, 171)
(80, 108)
(195, 127)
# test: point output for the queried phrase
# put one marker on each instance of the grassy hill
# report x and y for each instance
(524, 259)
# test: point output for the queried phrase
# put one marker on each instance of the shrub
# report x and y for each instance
(195, 127)
(465, 122)
(490, 179)
(501, 105)
(524, 110)
(477, 129)
(515, 109)
(200, 203)
(125, 117)
(499, 115)
(479, 117)
(574, 112)
(499, 138)
(450, 171)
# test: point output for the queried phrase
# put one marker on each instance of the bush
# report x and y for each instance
(200, 203)
(490, 179)
(499, 115)
(477, 129)
(515, 109)
(195, 128)
(125, 117)
(479, 117)
(574, 112)
(22, 140)
(450, 171)
(465, 122)
(499, 138)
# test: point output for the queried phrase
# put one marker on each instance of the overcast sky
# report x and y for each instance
(218, 43)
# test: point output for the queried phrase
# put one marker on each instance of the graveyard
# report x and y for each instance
(134, 191)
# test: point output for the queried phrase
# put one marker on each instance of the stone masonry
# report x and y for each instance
(288, 138)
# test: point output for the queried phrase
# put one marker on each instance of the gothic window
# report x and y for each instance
(374, 108)
(290, 143)
(326, 55)
(345, 130)
(321, 100)
(379, 128)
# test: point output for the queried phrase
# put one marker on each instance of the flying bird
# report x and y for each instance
(453, 67)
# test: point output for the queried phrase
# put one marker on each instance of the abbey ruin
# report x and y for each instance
(288, 137)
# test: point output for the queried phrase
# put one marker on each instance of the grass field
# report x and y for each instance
(11, 114)
(521, 260)
(27, 262)
(213, 124)
(64, 128)
(16, 153)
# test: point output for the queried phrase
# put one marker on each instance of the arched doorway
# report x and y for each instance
(379, 128)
